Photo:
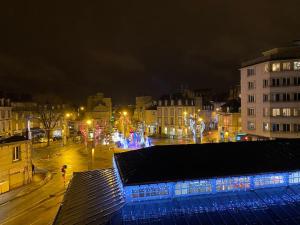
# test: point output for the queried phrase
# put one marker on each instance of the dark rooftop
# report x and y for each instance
(187, 162)
(12, 139)
(283, 53)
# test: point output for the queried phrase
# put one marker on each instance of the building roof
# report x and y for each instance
(283, 53)
(92, 197)
(13, 139)
(188, 162)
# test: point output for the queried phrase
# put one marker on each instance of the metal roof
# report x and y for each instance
(92, 197)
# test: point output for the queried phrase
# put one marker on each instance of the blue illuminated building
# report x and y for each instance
(228, 183)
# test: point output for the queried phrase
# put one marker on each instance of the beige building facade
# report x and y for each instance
(173, 115)
(15, 163)
(270, 94)
(99, 108)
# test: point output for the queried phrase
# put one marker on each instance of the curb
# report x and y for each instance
(29, 190)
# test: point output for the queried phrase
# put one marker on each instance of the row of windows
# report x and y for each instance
(268, 180)
(284, 127)
(276, 67)
(279, 82)
(193, 187)
(232, 184)
(170, 112)
(219, 185)
(282, 112)
(277, 97)
(158, 190)
(284, 66)
(170, 121)
(5, 114)
(172, 102)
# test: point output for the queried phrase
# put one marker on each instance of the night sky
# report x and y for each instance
(126, 48)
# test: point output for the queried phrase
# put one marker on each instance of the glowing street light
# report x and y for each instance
(68, 115)
(89, 122)
(81, 108)
(125, 113)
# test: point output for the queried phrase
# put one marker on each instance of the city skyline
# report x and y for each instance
(76, 49)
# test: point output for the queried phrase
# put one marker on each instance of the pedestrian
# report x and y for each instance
(63, 171)
(33, 168)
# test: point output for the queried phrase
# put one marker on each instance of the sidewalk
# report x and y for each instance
(40, 178)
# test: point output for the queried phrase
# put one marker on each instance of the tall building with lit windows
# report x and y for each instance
(270, 93)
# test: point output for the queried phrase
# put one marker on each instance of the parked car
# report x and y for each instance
(45, 140)
(57, 138)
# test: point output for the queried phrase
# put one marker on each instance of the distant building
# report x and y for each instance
(270, 93)
(151, 120)
(99, 108)
(173, 112)
(15, 163)
(5, 117)
(229, 120)
(141, 103)
(145, 113)
(23, 111)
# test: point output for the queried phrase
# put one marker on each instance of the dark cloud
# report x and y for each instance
(125, 48)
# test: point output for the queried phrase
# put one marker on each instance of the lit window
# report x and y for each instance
(275, 67)
(275, 112)
(251, 125)
(294, 178)
(17, 153)
(267, 67)
(286, 112)
(232, 184)
(266, 126)
(286, 66)
(297, 65)
(268, 180)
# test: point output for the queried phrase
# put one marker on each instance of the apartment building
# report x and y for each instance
(173, 112)
(270, 93)
(5, 117)
(15, 163)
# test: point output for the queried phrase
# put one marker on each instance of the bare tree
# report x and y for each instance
(49, 117)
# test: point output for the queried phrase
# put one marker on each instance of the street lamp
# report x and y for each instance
(65, 127)
(89, 122)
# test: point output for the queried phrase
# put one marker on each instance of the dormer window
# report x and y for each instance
(172, 102)
(179, 102)
(166, 102)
